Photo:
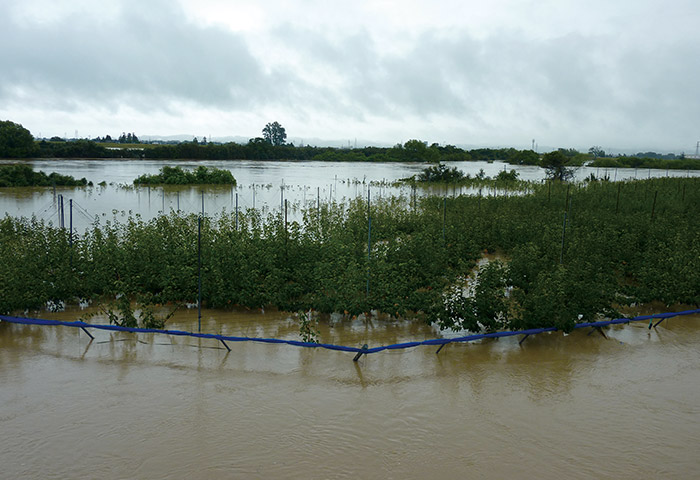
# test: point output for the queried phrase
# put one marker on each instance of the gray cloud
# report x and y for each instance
(145, 58)
(605, 86)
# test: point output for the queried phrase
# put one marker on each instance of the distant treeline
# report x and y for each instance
(647, 162)
(259, 149)
(411, 151)
(17, 142)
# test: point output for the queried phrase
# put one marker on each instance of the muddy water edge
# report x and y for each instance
(153, 406)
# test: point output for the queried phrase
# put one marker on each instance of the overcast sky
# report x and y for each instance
(619, 74)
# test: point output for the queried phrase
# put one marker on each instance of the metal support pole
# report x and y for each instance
(70, 232)
(88, 333)
(441, 347)
(659, 322)
(60, 211)
(444, 218)
(286, 232)
(563, 237)
(199, 273)
(359, 354)
(600, 330)
(369, 238)
(227, 347)
(523, 339)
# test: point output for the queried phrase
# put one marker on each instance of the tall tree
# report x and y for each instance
(596, 151)
(15, 140)
(274, 133)
(556, 165)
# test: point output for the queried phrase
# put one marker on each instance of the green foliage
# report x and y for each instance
(440, 173)
(525, 157)
(647, 162)
(15, 141)
(274, 133)
(308, 328)
(614, 252)
(556, 164)
(128, 138)
(596, 151)
(486, 308)
(507, 177)
(177, 176)
(24, 176)
(77, 149)
(417, 151)
(121, 313)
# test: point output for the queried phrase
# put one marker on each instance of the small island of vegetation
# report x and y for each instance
(178, 176)
(25, 176)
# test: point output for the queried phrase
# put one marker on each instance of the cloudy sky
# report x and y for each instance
(620, 74)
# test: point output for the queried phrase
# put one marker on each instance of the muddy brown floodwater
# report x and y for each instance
(156, 407)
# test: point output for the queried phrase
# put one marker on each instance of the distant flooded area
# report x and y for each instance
(154, 406)
(261, 184)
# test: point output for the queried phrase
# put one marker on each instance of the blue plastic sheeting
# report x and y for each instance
(397, 346)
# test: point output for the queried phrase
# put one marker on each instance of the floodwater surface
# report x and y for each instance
(159, 407)
(263, 185)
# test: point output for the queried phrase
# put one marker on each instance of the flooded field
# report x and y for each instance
(261, 184)
(152, 406)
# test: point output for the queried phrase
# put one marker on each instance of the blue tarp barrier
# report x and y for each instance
(397, 346)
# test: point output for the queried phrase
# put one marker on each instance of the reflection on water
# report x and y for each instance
(154, 406)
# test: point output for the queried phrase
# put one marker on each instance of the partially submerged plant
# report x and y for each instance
(308, 327)
(120, 313)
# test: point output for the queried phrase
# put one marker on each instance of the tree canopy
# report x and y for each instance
(556, 165)
(274, 133)
(15, 141)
